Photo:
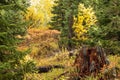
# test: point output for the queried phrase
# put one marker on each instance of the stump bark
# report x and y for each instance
(90, 60)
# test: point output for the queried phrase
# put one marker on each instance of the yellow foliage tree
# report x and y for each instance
(84, 20)
(39, 12)
(33, 14)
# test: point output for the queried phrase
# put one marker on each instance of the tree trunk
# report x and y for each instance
(70, 30)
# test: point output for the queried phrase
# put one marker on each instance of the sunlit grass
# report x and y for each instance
(60, 57)
(114, 61)
(51, 74)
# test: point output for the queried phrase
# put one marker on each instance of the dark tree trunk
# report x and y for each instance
(70, 30)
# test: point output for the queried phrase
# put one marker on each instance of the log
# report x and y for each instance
(44, 69)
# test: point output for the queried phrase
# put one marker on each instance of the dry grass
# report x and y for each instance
(60, 58)
(45, 42)
(114, 62)
(41, 41)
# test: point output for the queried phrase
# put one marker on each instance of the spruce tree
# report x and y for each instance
(12, 24)
(107, 32)
(63, 19)
(111, 25)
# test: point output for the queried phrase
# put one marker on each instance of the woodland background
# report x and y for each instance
(42, 32)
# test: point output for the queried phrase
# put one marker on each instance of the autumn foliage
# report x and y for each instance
(84, 20)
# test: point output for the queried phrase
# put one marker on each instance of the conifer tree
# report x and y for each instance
(111, 25)
(63, 11)
(12, 24)
(107, 32)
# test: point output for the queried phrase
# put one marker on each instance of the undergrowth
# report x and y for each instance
(45, 51)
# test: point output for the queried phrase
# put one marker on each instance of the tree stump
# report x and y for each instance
(90, 60)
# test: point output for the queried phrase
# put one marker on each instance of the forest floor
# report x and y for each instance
(45, 52)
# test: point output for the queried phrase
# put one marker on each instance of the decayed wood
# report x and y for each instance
(90, 61)
(44, 69)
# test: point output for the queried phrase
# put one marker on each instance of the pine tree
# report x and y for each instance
(12, 24)
(63, 19)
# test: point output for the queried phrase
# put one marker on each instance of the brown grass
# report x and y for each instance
(41, 41)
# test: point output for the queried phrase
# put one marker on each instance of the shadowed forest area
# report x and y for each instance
(59, 39)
